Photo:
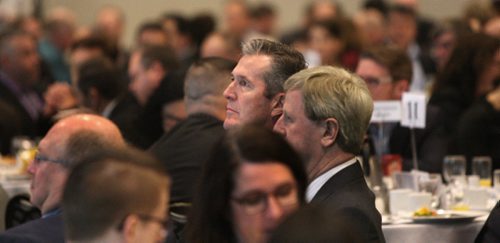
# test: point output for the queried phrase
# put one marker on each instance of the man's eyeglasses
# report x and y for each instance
(39, 158)
(258, 202)
(373, 81)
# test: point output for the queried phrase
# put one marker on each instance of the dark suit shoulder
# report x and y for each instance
(348, 193)
(47, 230)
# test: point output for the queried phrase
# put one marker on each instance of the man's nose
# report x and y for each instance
(229, 92)
(274, 211)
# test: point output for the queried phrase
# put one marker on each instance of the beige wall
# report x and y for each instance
(290, 11)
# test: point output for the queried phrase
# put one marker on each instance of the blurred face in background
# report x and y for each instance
(20, 60)
(263, 194)
(377, 79)
(402, 30)
(442, 47)
(327, 46)
(144, 80)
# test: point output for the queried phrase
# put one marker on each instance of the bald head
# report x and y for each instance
(67, 143)
(87, 122)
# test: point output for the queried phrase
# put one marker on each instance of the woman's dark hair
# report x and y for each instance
(456, 87)
(210, 217)
(469, 59)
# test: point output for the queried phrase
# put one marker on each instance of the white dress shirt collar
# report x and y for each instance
(317, 183)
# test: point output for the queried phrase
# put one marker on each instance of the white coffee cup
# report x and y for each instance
(399, 201)
(476, 197)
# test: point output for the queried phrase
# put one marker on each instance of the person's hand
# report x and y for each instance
(59, 96)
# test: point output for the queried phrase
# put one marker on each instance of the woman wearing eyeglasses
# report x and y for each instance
(252, 181)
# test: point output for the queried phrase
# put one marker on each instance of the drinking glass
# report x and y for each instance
(496, 179)
(454, 168)
(431, 184)
(481, 166)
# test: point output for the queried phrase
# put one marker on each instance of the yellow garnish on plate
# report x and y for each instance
(424, 211)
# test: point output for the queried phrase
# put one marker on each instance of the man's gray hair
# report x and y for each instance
(330, 92)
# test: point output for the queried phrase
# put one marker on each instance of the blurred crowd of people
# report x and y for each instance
(185, 82)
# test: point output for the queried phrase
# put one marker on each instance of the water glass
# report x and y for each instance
(431, 184)
(481, 166)
(454, 167)
(496, 179)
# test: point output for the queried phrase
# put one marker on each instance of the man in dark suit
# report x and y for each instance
(67, 142)
(155, 80)
(325, 116)
(187, 146)
(387, 72)
(102, 91)
(19, 75)
(490, 231)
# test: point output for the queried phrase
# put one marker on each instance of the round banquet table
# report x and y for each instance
(433, 232)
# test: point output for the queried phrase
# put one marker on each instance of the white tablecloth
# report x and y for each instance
(434, 232)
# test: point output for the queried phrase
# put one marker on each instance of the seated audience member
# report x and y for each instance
(103, 92)
(219, 44)
(119, 196)
(256, 93)
(336, 42)
(317, 224)
(179, 31)
(186, 148)
(58, 38)
(19, 77)
(402, 32)
(490, 231)
(469, 74)
(250, 183)
(326, 112)
(68, 142)
(154, 82)
(387, 72)
(85, 49)
(151, 33)
(478, 131)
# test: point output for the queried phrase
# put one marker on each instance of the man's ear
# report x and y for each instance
(332, 128)
(399, 87)
(277, 104)
(129, 231)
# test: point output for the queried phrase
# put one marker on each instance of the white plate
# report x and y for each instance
(449, 217)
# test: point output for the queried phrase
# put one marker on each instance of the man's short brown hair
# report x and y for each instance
(395, 60)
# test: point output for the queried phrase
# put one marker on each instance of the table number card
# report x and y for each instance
(413, 109)
(386, 111)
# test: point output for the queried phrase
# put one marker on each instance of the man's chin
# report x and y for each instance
(230, 123)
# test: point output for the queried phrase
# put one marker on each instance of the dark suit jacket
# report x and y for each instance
(490, 233)
(45, 230)
(17, 118)
(348, 193)
(124, 114)
(185, 149)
